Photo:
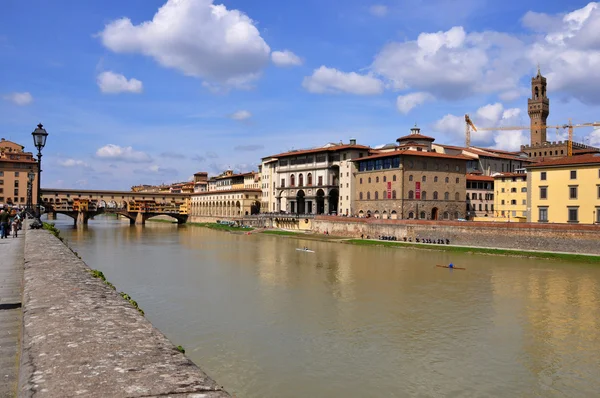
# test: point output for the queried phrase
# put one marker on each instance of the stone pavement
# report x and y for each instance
(11, 278)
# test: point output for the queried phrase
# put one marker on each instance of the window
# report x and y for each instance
(422, 215)
(369, 180)
(424, 195)
(384, 179)
(394, 177)
(513, 202)
(321, 180)
(598, 188)
(486, 207)
(411, 194)
(435, 179)
(458, 180)
(598, 214)
(292, 180)
(410, 177)
(300, 180)
(16, 183)
(376, 179)
(309, 178)
(16, 175)
(360, 181)
(376, 195)
(573, 192)
(424, 179)
(480, 207)
(457, 197)
(502, 201)
(573, 174)
(467, 196)
(524, 202)
(543, 192)
(394, 194)
(573, 214)
(543, 176)
(446, 195)
(411, 215)
(360, 196)
(368, 195)
(524, 189)
(383, 194)
(435, 195)
(513, 190)
(502, 190)
(446, 180)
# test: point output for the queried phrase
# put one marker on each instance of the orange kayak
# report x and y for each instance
(445, 266)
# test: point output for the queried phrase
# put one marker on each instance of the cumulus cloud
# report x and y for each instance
(72, 163)
(486, 117)
(249, 148)
(114, 83)
(20, 99)
(594, 137)
(378, 10)
(285, 58)
(197, 38)
(329, 80)
(240, 115)
(406, 103)
(122, 154)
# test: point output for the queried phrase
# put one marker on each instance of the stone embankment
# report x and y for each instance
(577, 239)
(81, 338)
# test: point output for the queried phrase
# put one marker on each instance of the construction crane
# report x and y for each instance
(470, 126)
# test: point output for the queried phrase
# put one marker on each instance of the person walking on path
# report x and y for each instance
(4, 219)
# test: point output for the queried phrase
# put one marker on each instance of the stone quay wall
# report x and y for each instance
(81, 338)
(578, 239)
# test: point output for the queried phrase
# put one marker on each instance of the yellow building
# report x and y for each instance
(510, 199)
(565, 190)
(15, 165)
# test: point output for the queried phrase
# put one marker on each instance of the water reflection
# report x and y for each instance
(268, 321)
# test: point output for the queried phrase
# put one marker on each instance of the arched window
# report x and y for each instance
(456, 217)
(309, 179)
(368, 195)
(446, 196)
(537, 93)
(422, 216)
(435, 195)
(457, 196)
(446, 215)
(384, 179)
(360, 182)
(376, 195)
(424, 179)
(369, 180)
(411, 215)
(446, 180)
(394, 194)
(435, 179)
(300, 180)
(411, 194)
(360, 196)
(394, 177)
(376, 179)
(457, 180)
(410, 177)
(292, 180)
(383, 194)
(424, 195)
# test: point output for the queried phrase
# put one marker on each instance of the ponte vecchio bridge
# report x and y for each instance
(81, 205)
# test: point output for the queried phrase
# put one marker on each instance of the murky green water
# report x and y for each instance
(265, 320)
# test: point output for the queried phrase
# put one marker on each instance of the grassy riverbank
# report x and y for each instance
(283, 233)
(478, 250)
(220, 227)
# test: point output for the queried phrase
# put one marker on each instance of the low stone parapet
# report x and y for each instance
(81, 338)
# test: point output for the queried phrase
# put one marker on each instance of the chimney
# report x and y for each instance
(352, 141)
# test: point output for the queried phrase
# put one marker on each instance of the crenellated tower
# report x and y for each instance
(538, 109)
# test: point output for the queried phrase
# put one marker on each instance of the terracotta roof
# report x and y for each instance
(471, 177)
(500, 175)
(493, 150)
(333, 148)
(227, 191)
(413, 153)
(590, 158)
(484, 152)
(416, 137)
(201, 173)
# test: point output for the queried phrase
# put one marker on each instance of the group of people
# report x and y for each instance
(10, 221)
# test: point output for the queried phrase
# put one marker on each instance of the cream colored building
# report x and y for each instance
(15, 165)
(510, 200)
(311, 181)
(225, 203)
(565, 190)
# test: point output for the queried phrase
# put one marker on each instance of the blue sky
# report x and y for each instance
(151, 91)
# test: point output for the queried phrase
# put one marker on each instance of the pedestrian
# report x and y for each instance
(4, 218)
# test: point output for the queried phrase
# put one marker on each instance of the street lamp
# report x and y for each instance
(39, 141)
(30, 178)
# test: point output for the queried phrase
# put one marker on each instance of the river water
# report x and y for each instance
(265, 320)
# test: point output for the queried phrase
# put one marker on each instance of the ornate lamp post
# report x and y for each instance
(39, 141)
(30, 178)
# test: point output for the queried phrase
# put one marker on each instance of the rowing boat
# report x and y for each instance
(306, 250)
(445, 266)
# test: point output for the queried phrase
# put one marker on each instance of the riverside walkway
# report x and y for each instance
(11, 277)
(65, 333)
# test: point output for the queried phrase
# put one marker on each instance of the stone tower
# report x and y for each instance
(538, 109)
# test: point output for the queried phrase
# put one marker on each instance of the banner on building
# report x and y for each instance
(389, 190)
(417, 190)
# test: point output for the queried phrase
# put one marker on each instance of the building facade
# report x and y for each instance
(15, 165)
(311, 181)
(410, 182)
(565, 190)
(479, 196)
(510, 200)
(486, 161)
(225, 203)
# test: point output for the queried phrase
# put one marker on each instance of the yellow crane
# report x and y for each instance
(470, 126)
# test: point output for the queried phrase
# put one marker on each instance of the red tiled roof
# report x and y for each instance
(333, 148)
(472, 177)
(494, 150)
(590, 158)
(500, 175)
(416, 137)
(413, 153)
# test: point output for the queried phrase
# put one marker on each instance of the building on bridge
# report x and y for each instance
(230, 203)
(15, 165)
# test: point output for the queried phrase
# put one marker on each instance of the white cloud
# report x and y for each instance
(72, 163)
(196, 37)
(330, 80)
(124, 154)
(378, 10)
(594, 138)
(241, 115)
(405, 103)
(20, 99)
(488, 116)
(285, 58)
(113, 83)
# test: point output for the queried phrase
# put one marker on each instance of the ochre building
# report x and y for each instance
(15, 165)
(510, 201)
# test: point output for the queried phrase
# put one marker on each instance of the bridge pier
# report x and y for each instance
(82, 218)
(51, 215)
(140, 219)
